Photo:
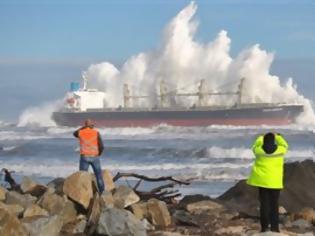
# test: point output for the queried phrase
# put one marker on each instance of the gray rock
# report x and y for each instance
(25, 200)
(146, 224)
(124, 197)
(184, 218)
(117, 222)
(43, 226)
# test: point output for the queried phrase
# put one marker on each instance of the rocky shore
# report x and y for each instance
(72, 206)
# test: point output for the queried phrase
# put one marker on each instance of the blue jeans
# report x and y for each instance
(85, 162)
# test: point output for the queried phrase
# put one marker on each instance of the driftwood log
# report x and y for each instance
(164, 192)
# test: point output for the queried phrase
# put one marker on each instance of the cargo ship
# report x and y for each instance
(83, 103)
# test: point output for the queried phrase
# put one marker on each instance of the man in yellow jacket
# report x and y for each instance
(267, 175)
(91, 147)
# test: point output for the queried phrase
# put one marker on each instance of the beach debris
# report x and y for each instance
(161, 193)
(9, 179)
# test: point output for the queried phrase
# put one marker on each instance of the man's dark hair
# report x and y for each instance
(269, 145)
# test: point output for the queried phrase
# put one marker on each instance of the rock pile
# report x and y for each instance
(72, 206)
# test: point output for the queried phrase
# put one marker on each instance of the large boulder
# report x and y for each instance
(57, 205)
(35, 210)
(25, 200)
(158, 213)
(124, 197)
(14, 209)
(10, 225)
(140, 210)
(117, 222)
(52, 202)
(43, 226)
(78, 187)
(3, 192)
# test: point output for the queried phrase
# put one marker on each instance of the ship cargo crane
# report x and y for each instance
(201, 94)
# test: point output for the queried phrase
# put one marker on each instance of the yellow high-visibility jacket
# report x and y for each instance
(267, 171)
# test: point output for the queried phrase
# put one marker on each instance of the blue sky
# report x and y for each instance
(46, 44)
(115, 30)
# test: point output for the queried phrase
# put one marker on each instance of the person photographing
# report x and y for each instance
(267, 175)
(91, 147)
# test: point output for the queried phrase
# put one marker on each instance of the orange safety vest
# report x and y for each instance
(88, 142)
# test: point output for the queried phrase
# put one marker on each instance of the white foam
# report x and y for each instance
(182, 62)
(13, 135)
(39, 116)
(239, 153)
(9, 148)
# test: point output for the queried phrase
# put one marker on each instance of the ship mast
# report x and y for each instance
(84, 81)
(163, 93)
(240, 91)
(202, 93)
(126, 96)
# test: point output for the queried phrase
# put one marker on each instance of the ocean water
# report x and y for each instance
(214, 158)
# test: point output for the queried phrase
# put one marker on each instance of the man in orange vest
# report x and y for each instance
(91, 147)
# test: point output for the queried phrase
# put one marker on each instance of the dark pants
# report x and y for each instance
(85, 162)
(269, 209)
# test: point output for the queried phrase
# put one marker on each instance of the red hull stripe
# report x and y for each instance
(197, 122)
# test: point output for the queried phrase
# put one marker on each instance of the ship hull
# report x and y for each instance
(263, 115)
